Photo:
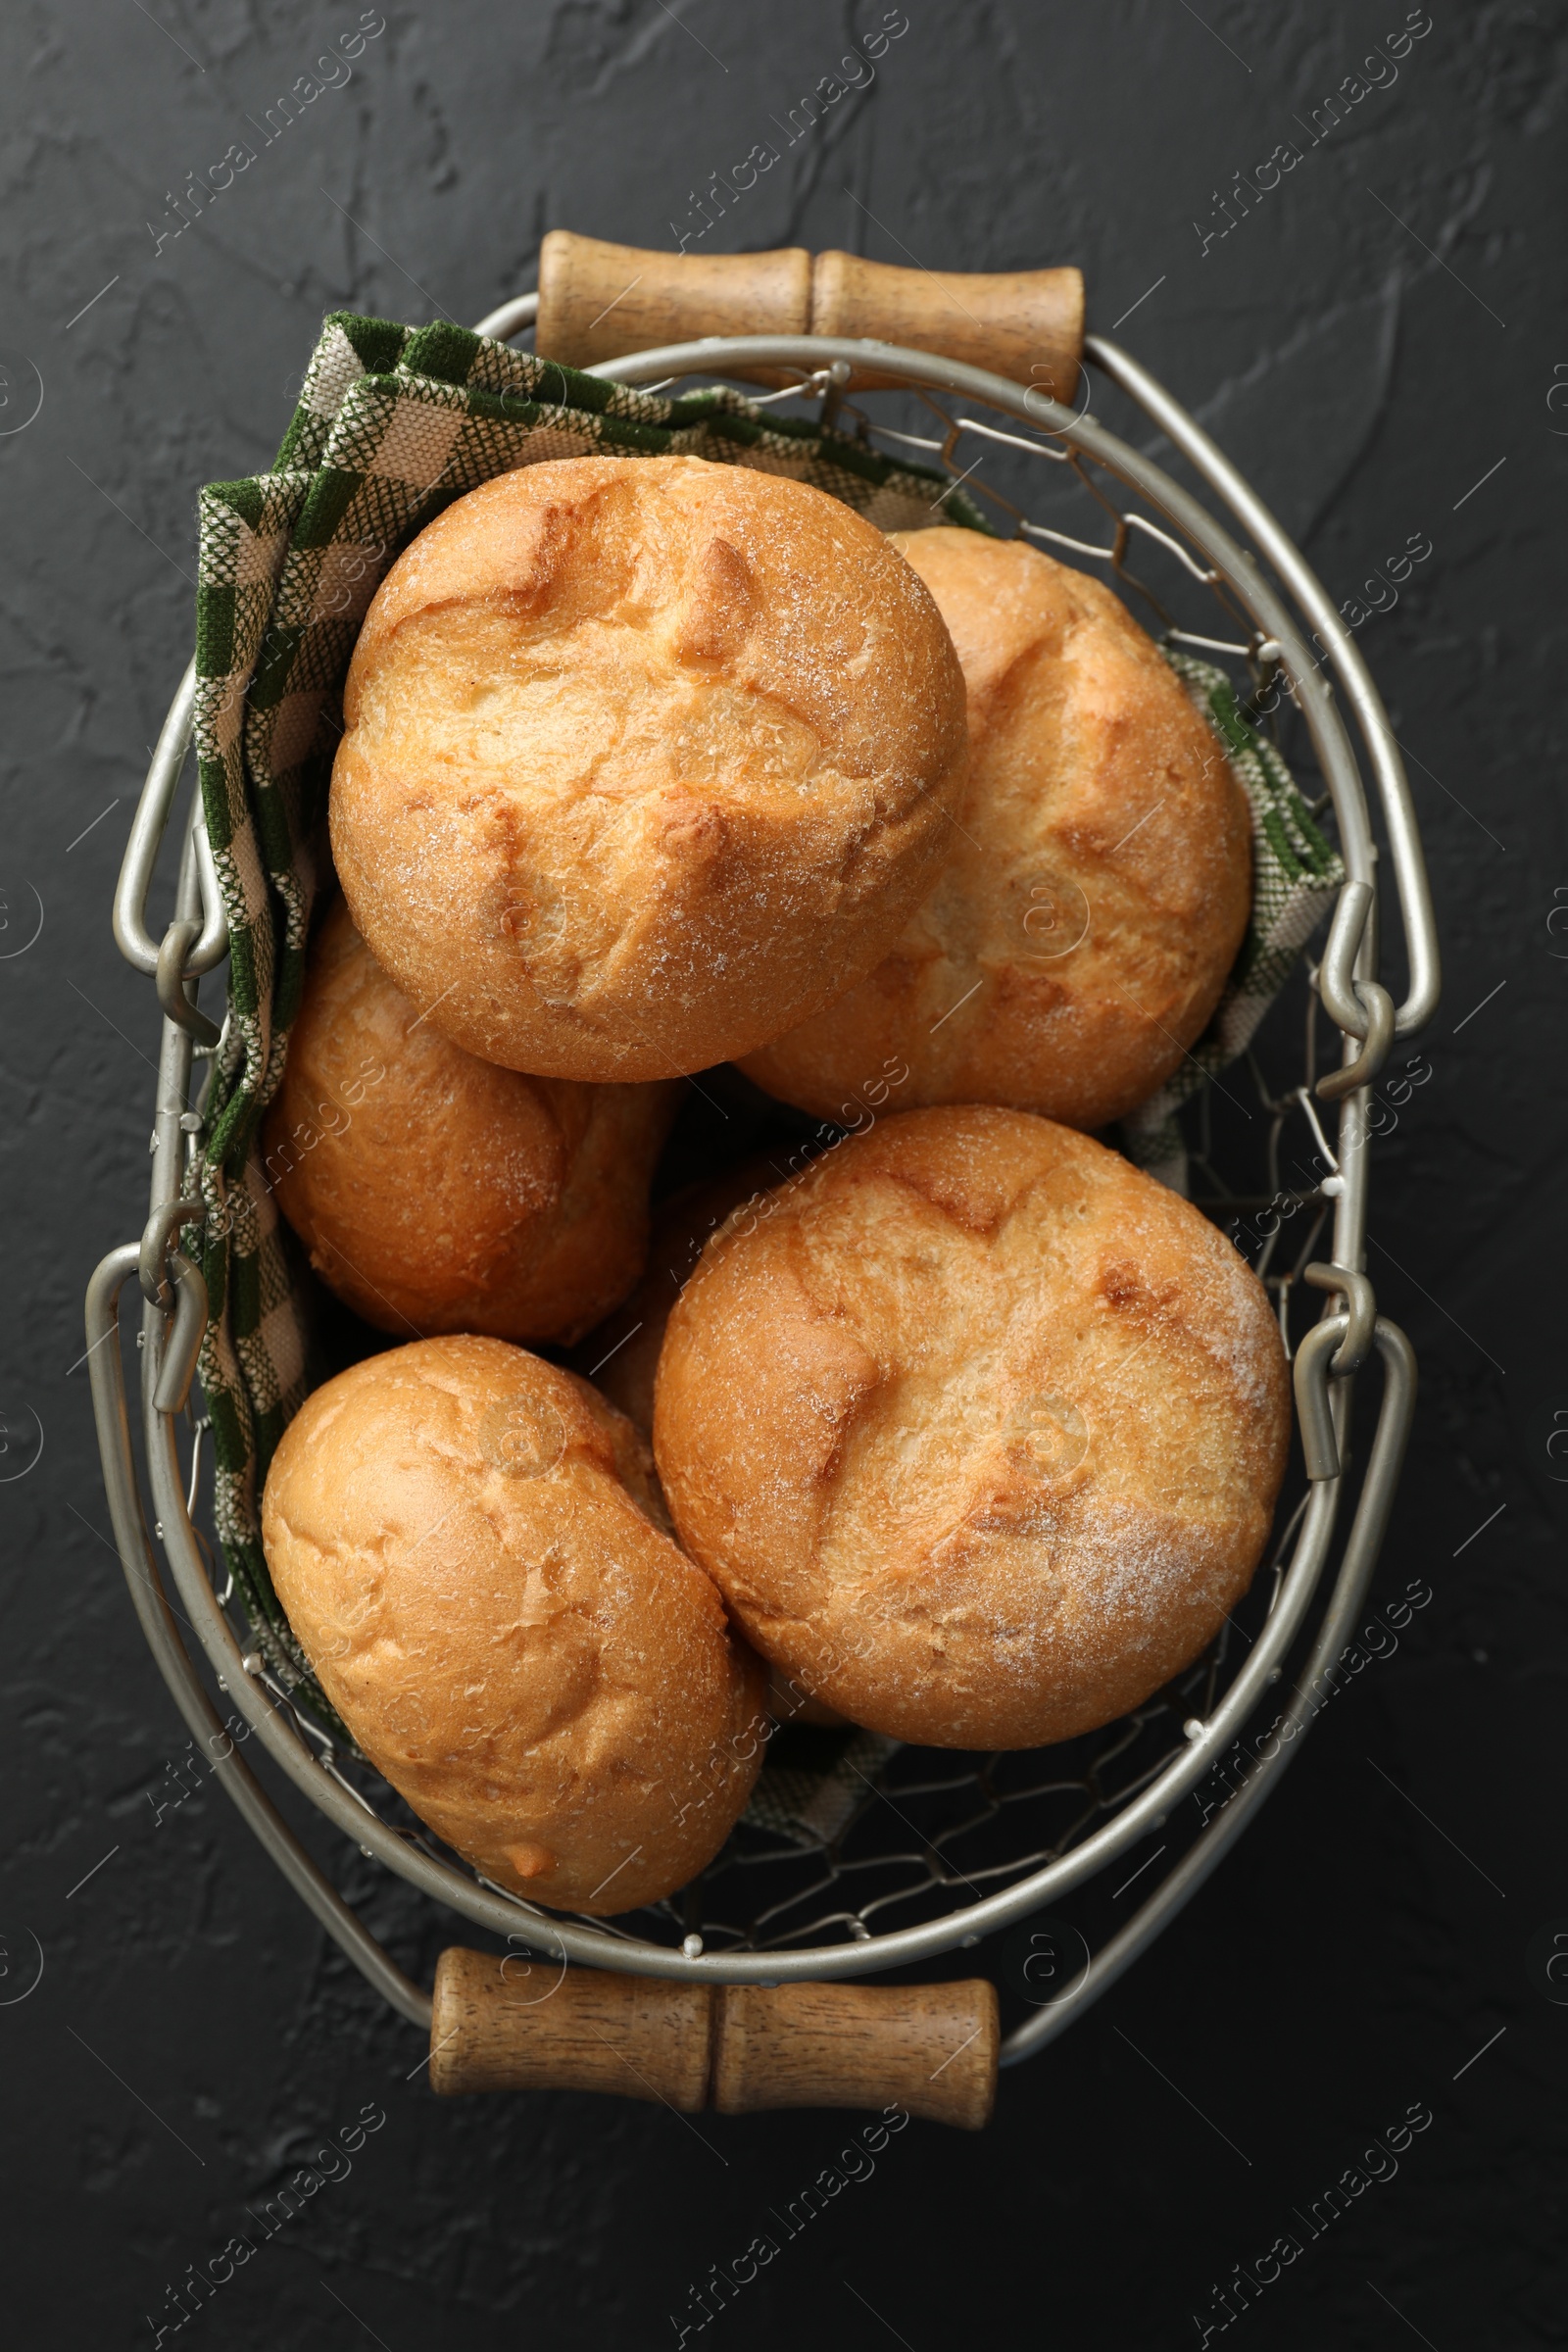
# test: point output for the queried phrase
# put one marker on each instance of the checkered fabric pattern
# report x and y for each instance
(1295, 878)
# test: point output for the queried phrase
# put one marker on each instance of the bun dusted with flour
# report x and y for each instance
(1098, 878)
(436, 1192)
(470, 1547)
(643, 760)
(978, 1429)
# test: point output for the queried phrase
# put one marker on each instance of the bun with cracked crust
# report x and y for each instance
(470, 1547)
(645, 760)
(1081, 932)
(978, 1429)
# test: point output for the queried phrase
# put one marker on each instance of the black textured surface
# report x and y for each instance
(192, 2040)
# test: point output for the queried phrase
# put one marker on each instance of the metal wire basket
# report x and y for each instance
(859, 1856)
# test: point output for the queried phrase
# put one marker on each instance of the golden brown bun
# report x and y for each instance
(462, 1537)
(646, 758)
(622, 1357)
(1080, 933)
(436, 1192)
(980, 1432)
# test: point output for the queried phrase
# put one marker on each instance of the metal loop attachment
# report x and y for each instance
(1362, 1304)
(178, 940)
(1335, 978)
(132, 935)
(1314, 1365)
(1378, 1033)
(183, 1343)
(152, 1266)
(1314, 1408)
(1360, 1006)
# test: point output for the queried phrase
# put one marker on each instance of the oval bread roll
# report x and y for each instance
(980, 1430)
(1080, 934)
(436, 1192)
(645, 760)
(465, 1541)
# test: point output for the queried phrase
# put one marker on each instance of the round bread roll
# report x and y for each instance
(980, 1430)
(1080, 934)
(645, 760)
(465, 1541)
(436, 1192)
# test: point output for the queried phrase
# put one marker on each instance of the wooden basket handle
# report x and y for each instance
(507, 2024)
(597, 301)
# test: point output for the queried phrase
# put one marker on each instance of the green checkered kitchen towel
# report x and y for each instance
(1295, 878)
(393, 423)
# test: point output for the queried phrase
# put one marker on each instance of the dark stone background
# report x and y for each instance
(192, 2035)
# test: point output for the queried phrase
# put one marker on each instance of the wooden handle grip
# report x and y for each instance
(1026, 324)
(508, 2025)
(598, 300)
(930, 2048)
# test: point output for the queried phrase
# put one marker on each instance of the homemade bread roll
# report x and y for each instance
(465, 1541)
(645, 760)
(1082, 929)
(436, 1192)
(979, 1431)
